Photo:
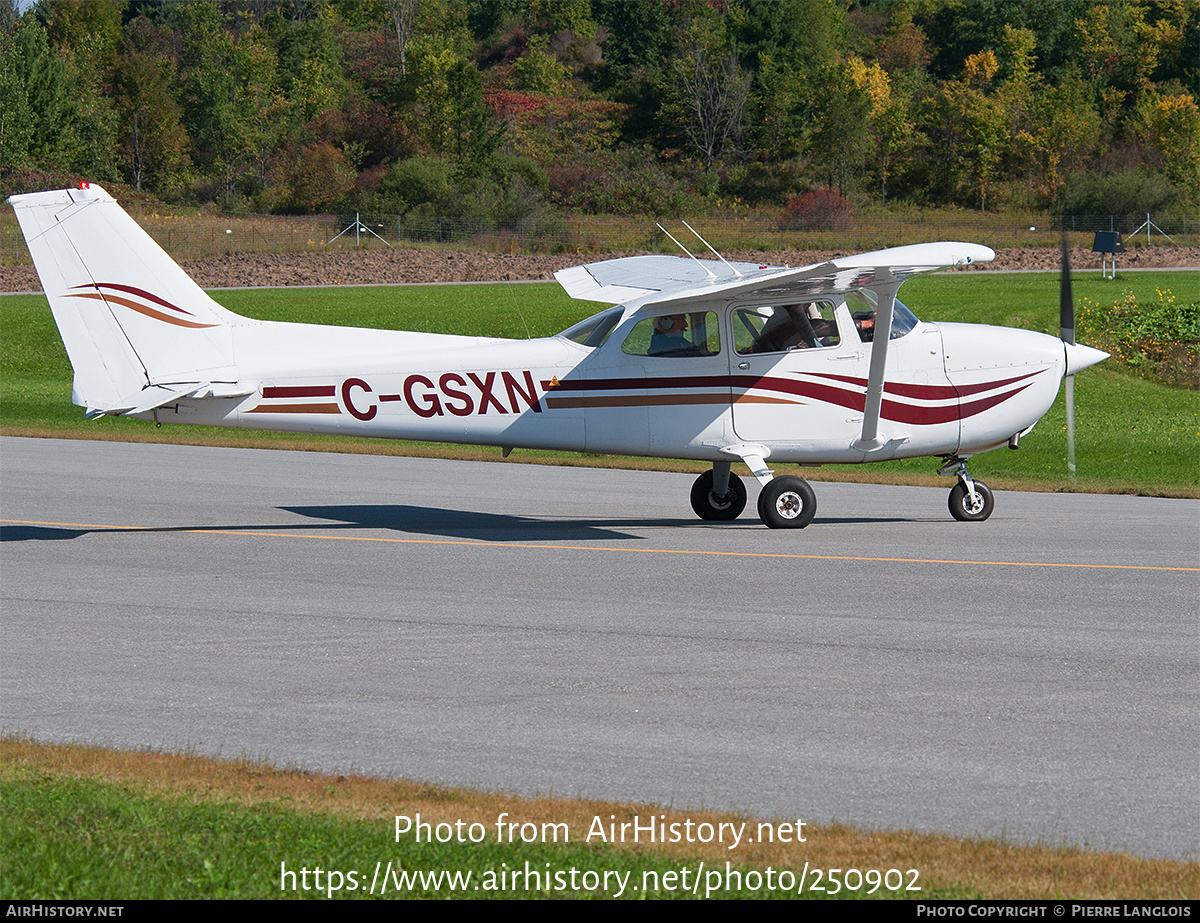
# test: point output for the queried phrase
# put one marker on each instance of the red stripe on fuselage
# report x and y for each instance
(895, 411)
(273, 391)
(927, 392)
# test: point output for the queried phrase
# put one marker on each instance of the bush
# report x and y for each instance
(585, 183)
(318, 181)
(503, 193)
(1160, 341)
(414, 182)
(823, 210)
(1130, 192)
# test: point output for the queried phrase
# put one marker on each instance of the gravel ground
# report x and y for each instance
(419, 265)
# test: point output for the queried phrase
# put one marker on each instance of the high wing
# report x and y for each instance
(662, 281)
(630, 277)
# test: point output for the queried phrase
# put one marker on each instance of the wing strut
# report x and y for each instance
(869, 441)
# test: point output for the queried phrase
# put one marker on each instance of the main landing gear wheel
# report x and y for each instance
(787, 503)
(709, 506)
(961, 507)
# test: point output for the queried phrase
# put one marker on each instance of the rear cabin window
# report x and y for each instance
(674, 335)
(779, 328)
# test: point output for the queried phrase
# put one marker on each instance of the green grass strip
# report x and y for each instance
(72, 838)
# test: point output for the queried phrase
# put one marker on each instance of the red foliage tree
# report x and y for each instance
(823, 210)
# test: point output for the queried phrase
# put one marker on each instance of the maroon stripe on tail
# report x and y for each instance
(140, 292)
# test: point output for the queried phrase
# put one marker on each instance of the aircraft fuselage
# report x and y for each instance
(950, 389)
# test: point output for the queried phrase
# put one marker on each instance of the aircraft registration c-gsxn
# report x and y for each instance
(700, 359)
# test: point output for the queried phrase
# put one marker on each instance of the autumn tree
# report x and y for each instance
(711, 89)
(402, 14)
(888, 119)
(91, 24)
(841, 132)
(967, 129)
(318, 179)
(55, 111)
(151, 137)
(1066, 130)
(1172, 125)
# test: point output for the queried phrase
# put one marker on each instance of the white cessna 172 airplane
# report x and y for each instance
(707, 360)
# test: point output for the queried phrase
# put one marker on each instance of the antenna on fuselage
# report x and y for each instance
(714, 251)
(709, 272)
(520, 314)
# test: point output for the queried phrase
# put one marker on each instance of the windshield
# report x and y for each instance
(863, 304)
(594, 330)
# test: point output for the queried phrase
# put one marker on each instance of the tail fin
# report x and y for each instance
(138, 330)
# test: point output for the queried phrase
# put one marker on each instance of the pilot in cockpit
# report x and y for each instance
(670, 336)
(864, 321)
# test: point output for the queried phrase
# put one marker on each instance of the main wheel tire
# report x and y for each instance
(787, 503)
(961, 507)
(709, 506)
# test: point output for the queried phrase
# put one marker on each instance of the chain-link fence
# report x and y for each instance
(198, 237)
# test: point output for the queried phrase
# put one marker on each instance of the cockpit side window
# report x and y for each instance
(675, 335)
(863, 304)
(780, 328)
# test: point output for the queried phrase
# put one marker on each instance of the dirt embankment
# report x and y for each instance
(241, 270)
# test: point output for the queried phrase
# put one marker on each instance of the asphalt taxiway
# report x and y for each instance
(579, 632)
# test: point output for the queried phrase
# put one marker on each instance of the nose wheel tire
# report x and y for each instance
(709, 506)
(787, 503)
(961, 507)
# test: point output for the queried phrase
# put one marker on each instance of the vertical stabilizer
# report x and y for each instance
(130, 317)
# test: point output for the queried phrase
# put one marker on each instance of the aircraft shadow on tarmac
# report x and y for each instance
(420, 520)
(40, 533)
(477, 526)
(463, 524)
(500, 527)
(480, 527)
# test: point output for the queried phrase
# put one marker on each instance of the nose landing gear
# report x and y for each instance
(970, 500)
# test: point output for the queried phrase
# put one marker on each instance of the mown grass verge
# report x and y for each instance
(1132, 435)
(90, 822)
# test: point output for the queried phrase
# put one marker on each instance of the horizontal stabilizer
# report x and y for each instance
(147, 399)
(155, 396)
